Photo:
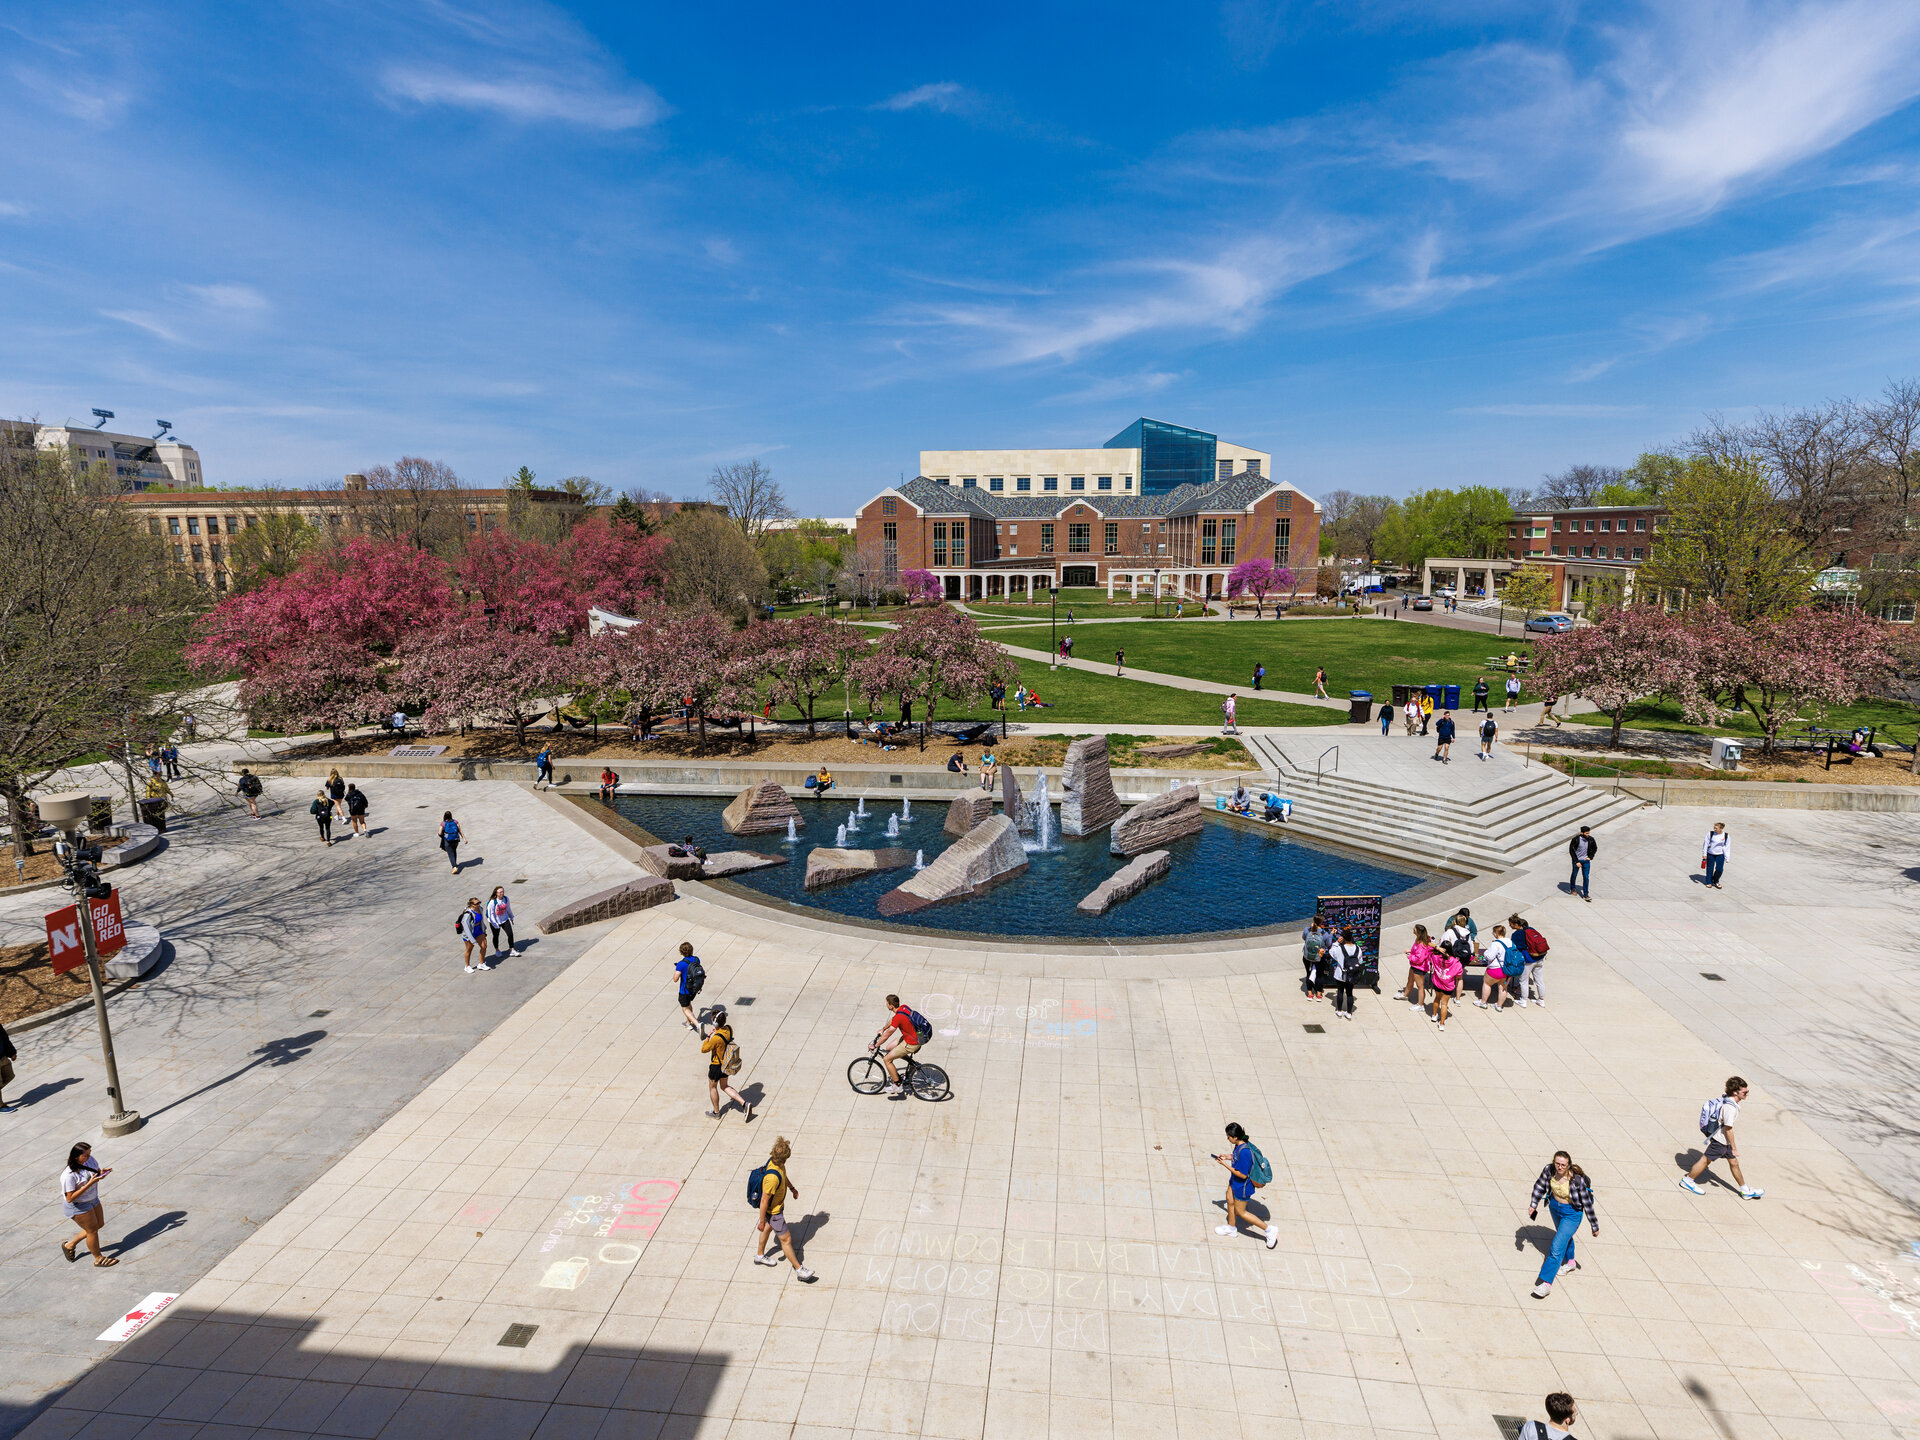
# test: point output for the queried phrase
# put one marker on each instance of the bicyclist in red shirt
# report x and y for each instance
(910, 1040)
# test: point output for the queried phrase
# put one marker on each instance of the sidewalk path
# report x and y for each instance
(1176, 682)
(312, 992)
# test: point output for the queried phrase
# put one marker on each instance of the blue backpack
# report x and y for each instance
(922, 1027)
(755, 1179)
(1262, 1171)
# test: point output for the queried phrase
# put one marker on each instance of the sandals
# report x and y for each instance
(104, 1261)
(72, 1253)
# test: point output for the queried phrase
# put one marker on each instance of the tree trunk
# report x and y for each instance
(1619, 719)
(810, 729)
(17, 818)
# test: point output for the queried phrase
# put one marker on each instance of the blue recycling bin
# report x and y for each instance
(1434, 693)
(1360, 706)
(1453, 698)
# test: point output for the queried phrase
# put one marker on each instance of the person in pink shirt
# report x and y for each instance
(1419, 965)
(1445, 975)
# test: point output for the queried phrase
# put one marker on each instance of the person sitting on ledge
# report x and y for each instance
(1242, 802)
(1277, 809)
(685, 849)
(822, 782)
(957, 764)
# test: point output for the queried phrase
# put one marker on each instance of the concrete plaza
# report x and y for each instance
(1037, 1256)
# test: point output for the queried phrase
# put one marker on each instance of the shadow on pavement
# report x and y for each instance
(274, 1052)
(151, 1230)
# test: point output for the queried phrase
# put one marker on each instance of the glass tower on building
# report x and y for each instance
(1170, 455)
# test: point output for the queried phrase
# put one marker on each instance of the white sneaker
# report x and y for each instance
(1273, 1236)
(1541, 1291)
(894, 1090)
(804, 1274)
(1750, 1192)
(1223, 1229)
(772, 1257)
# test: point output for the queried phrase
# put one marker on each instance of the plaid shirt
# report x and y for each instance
(1581, 1191)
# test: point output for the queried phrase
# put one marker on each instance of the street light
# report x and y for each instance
(1156, 592)
(69, 812)
(1054, 640)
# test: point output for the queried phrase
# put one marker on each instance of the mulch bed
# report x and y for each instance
(28, 984)
(41, 865)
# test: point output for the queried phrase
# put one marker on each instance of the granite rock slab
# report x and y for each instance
(827, 865)
(1126, 882)
(1087, 802)
(640, 894)
(967, 812)
(1012, 804)
(760, 810)
(655, 860)
(1157, 822)
(972, 865)
(737, 862)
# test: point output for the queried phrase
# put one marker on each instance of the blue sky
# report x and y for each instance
(1397, 245)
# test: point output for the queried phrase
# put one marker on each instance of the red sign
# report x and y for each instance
(64, 947)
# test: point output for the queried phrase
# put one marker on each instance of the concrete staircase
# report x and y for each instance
(1539, 811)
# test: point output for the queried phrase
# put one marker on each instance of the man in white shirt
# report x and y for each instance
(1714, 852)
(1716, 1123)
(1561, 1413)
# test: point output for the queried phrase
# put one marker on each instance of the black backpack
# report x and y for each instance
(696, 976)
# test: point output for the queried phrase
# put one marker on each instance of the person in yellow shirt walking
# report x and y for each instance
(769, 1187)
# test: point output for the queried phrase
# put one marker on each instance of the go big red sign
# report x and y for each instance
(64, 947)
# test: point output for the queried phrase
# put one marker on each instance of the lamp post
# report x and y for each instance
(1156, 592)
(1052, 625)
(69, 813)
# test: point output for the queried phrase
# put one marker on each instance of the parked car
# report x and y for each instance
(1552, 623)
(1423, 602)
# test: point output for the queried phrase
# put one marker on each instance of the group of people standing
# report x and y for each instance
(342, 799)
(480, 921)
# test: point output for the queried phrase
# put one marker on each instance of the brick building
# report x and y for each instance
(986, 544)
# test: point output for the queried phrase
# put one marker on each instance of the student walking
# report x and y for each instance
(337, 792)
(1714, 852)
(1320, 682)
(1343, 957)
(471, 927)
(170, 755)
(499, 913)
(723, 1063)
(1259, 671)
(1443, 739)
(543, 769)
(692, 976)
(1386, 720)
(357, 809)
(1561, 1413)
(1487, 732)
(1426, 711)
(1569, 1195)
(1445, 975)
(248, 788)
(1419, 964)
(1247, 1170)
(322, 811)
(7, 1056)
(1513, 689)
(1716, 1124)
(1480, 694)
(450, 838)
(1410, 713)
(1527, 947)
(1496, 976)
(1580, 850)
(80, 1186)
(1119, 662)
(1314, 941)
(1229, 709)
(768, 1188)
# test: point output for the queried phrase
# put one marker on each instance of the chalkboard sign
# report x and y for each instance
(1361, 914)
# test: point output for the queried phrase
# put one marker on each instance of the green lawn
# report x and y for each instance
(1368, 656)
(1666, 715)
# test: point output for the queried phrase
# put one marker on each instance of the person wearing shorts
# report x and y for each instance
(775, 1187)
(1240, 1188)
(689, 988)
(714, 1047)
(901, 1019)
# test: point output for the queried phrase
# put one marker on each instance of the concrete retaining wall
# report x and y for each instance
(1769, 794)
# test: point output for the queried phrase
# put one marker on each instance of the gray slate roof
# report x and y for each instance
(1236, 493)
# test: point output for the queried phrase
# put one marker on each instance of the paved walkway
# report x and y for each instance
(1038, 1255)
(312, 993)
(1177, 682)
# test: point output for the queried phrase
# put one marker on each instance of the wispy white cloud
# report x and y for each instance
(1645, 335)
(528, 97)
(140, 320)
(10, 211)
(946, 96)
(1423, 287)
(98, 100)
(229, 298)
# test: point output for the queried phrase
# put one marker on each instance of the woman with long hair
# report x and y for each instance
(499, 912)
(1569, 1195)
(715, 1045)
(80, 1186)
(1420, 957)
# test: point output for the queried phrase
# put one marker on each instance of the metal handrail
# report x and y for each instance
(1617, 773)
(1333, 750)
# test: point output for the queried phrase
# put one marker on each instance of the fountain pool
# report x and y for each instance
(1231, 878)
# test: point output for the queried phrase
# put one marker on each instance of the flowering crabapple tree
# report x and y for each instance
(615, 566)
(465, 669)
(520, 584)
(1258, 577)
(704, 665)
(933, 655)
(922, 586)
(1628, 655)
(319, 684)
(1777, 666)
(812, 655)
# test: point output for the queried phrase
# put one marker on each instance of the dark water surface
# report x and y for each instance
(1229, 877)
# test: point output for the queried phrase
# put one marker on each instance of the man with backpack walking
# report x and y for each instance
(543, 769)
(1561, 1412)
(914, 1031)
(1714, 851)
(248, 788)
(1259, 671)
(1580, 850)
(1716, 1124)
(1487, 731)
(1247, 1170)
(1526, 947)
(693, 979)
(767, 1190)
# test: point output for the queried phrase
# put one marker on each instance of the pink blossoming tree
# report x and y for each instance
(923, 587)
(465, 669)
(1778, 666)
(1629, 655)
(811, 657)
(1258, 577)
(930, 656)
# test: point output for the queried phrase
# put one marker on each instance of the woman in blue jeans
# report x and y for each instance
(1569, 1195)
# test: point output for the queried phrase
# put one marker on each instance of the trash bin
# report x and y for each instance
(1433, 693)
(1726, 754)
(1400, 693)
(154, 813)
(1361, 703)
(1452, 701)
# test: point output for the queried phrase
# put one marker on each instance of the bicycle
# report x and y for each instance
(868, 1076)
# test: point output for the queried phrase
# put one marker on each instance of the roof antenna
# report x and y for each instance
(105, 415)
(165, 425)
